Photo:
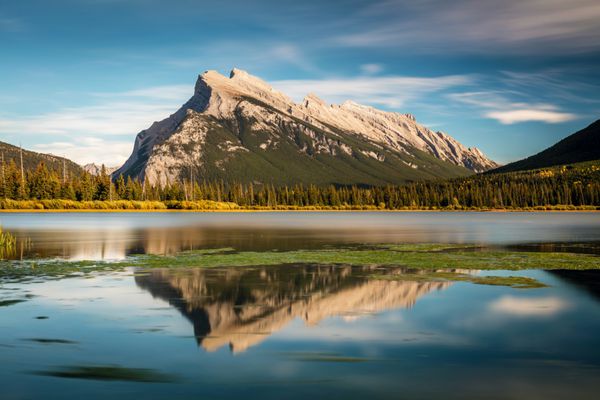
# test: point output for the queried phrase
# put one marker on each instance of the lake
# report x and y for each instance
(296, 330)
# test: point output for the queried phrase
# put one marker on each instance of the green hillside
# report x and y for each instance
(581, 146)
(32, 159)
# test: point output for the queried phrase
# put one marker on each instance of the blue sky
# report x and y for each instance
(80, 78)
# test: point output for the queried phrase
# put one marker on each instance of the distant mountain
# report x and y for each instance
(32, 159)
(95, 169)
(240, 129)
(580, 146)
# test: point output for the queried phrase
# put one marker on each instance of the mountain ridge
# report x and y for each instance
(32, 159)
(583, 145)
(96, 169)
(242, 128)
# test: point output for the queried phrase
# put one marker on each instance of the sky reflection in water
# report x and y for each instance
(297, 331)
(303, 330)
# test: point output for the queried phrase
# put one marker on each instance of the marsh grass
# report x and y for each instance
(8, 244)
(517, 282)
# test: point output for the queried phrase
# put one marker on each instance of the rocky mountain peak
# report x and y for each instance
(252, 118)
(312, 99)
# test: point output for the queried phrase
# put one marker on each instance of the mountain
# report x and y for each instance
(241, 129)
(580, 146)
(32, 159)
(96, 170)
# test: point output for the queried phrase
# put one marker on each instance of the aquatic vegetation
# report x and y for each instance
(429, 257)
(109, 373)
(8, 244)
(517, 282)
(418, 256)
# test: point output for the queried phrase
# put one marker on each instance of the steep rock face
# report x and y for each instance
(241, 129)
(96, 170)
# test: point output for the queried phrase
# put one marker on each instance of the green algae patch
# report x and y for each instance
(428, 257)
(517, 282)
(109, 373)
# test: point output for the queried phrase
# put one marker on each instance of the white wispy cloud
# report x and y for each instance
(390, 91)
(168, 92)
(291, 54)
(102, 132)
(564, 84)
(371, 69)
(530, 114)
(119, 113)
(85, 150)
(220, 55)
(496, 105)
(485, 26)
(111, 118)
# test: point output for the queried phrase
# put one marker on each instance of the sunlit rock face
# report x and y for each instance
(239, 128)
(241, 307)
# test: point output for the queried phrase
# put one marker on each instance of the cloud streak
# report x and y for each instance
(389, 91)
(122, 113)
(85, 150)
(529, 115)
(512, 26)
(95, 133)
(496, 105)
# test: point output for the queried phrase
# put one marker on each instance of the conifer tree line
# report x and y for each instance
(578, 186)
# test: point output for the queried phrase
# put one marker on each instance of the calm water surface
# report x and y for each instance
(298, 331)
(116, 235)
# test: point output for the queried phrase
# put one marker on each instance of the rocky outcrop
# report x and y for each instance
(240, 128)
(96, 170)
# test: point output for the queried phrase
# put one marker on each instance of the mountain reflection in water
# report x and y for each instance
(241, 307)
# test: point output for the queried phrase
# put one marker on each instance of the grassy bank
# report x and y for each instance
(118, 205)
(209, 205)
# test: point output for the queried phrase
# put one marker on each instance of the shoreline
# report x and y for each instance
(84, 211)
(149, 206)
